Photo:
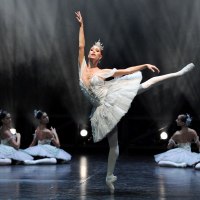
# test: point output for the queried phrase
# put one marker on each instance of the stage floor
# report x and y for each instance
(84, 178)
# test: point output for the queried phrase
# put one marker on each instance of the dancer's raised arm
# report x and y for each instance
(81, 38)
(55, 139)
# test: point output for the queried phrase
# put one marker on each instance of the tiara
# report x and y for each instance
(37, 113)
(99, 44)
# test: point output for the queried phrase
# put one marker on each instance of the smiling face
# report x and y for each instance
(95, 53)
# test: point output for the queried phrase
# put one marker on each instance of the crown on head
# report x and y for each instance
(99, 44)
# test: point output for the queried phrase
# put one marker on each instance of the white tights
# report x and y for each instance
(41, 161)
(112, 157)
(113, 152)
(5, 161)
(160, 79)
(171, 164)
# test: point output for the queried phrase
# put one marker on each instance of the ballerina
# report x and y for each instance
(43, 137)
(181, 156)
(111, 99)
(10, 143)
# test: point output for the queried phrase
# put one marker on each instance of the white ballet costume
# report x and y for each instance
(9, 153)
(110, 99)
(48, 151)
(178, 157)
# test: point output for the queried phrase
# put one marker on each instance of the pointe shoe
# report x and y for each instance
(5, 161)
(197, 166)
(183, 165)
(186, 69)
(109, 182)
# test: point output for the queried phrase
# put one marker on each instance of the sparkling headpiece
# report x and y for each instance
(99, 44)
(188, 120)
(37, 114)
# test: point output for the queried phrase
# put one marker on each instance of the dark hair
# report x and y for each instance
(3, 114)
(187, 119)
(38, 114)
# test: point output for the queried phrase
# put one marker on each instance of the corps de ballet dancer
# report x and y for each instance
(180, 154)
(41, 148)
(10, 152)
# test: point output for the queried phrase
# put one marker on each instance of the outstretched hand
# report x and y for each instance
(79, 17)
(153, 68)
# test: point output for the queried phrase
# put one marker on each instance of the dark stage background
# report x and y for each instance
(38, 64)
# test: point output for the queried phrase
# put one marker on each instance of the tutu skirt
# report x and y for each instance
(46, 150)
(178, 155)
(10, 152)
(114, 104)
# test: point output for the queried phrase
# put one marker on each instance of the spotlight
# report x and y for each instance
(163, 136)
(13, 131)
(83, 132)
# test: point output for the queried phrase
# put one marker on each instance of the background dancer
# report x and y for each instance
(182, 155)
(41, 145)
(10, 143)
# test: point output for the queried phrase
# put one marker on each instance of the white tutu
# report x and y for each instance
(47, 150)
(9, 152)
(179, 155)
(111, 99)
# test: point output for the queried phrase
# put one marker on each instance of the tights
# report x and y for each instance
(5, 161)
(113, 152)
(171, 164)
(158, 80)
(41, 161)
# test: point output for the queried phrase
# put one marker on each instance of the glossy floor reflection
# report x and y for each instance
(84, 179)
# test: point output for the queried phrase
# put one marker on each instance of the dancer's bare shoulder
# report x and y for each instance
(192, 132)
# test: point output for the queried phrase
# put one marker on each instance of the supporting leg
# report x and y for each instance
(160, 79)
(112, 157)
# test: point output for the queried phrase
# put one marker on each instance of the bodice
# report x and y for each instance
(6, 141)
(45, 141)
(186, 146)
(98, 87)
(96, 91)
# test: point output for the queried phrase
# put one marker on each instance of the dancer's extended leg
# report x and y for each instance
(112, 157)
(41, 161)
(5, 161)
(171, 164)
(160, 79)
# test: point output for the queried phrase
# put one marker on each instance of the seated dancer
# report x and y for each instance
(111, 99)
(44, 152)
(10, 142)
(181, 156)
